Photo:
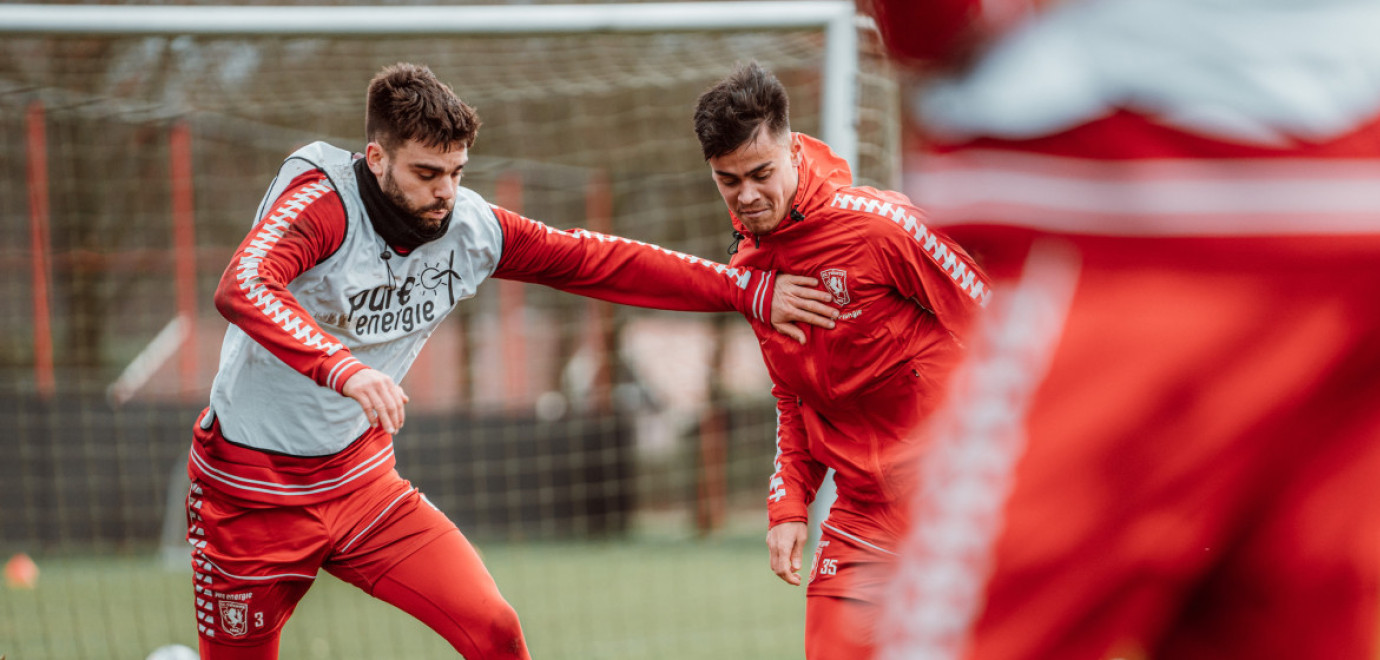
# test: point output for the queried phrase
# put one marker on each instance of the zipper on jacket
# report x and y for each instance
(796, 216)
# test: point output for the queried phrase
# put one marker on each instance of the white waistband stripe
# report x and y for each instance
(376, 519)
(855, 539)
(1164, 197)
(277, 576)
(254, 485)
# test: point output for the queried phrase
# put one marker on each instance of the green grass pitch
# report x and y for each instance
(667, 599)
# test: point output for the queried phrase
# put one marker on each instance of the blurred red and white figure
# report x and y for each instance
(1166, 441)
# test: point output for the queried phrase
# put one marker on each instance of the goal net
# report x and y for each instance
(609, 462)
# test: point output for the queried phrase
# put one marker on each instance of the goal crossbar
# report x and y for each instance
(419, 20)
(838, 112)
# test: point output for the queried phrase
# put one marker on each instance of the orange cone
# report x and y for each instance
(21, 572)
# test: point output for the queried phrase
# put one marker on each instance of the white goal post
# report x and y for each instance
(837, 18)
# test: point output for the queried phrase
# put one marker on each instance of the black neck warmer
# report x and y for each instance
(398, 228)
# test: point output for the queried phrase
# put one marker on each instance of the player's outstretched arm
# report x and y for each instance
(786, 548)
(797, 300)
(381, 399)
(634, 273)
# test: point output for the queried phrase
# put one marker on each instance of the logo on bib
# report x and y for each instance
(404, 303)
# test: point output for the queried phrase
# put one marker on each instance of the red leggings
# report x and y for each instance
(837, 627)
(444, 585)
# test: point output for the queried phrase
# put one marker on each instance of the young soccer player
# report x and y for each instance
(1177, 455)
(352, 263)
(851, 398)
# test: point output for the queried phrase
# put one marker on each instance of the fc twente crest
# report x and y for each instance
(234, 618)
(836, 281)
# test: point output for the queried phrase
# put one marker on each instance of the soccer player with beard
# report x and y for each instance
(352, 263)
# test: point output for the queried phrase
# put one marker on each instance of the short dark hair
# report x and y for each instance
(407, 102)
(730, 113)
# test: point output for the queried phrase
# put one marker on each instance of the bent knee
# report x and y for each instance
(494, 635)
(505, 634)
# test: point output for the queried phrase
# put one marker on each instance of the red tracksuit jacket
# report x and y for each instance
(852, 398)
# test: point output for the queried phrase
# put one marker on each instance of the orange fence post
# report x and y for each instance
(511, 301)
(599, 313)
(711, 505)
(184, 250)
(39, 248)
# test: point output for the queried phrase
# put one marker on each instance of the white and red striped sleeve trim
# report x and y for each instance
(796, 476)
(764, 285)
(625, 271)
(942, 252)
(341, 372)
(253, 292)
(978, 438)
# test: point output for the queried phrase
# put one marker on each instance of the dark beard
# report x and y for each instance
(399, 225)
(395, 194)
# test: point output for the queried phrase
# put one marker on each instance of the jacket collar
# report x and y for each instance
(821, 173)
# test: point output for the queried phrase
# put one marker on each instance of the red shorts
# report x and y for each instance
(253, 562)
(856, 551)
(852, 567)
